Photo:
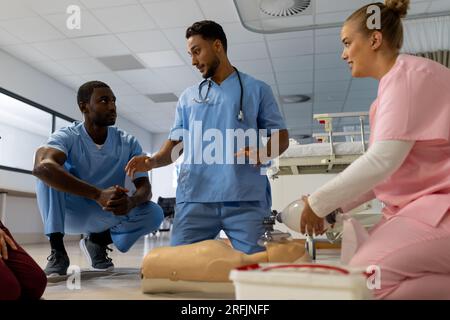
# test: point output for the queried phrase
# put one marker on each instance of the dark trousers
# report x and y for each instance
(20, 275)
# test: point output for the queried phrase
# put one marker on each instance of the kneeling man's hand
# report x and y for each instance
(116, 200)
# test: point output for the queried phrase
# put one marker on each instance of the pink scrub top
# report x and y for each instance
(413, 104)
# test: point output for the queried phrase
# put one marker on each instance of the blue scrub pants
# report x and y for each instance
(67, 213)
(241, 221)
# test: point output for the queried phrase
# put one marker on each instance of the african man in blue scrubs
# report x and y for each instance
(81, 185)
(215, 190)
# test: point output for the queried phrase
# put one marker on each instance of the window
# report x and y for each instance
(24, 126)
(61, 123)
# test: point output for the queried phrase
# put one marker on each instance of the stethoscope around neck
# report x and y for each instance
(205, 99)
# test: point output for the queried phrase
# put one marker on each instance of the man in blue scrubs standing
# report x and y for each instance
(81, 185)
(215, 190)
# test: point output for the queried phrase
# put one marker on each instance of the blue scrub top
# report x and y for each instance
(103, 167)
(221, 180)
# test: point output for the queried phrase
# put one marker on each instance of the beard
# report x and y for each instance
(211, 71)
(105, 121)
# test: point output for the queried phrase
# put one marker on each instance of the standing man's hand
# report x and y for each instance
(310, 223)
(254, 156)
(5, 241)
(139, 164)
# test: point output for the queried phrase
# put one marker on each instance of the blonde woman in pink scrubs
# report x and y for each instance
(407, 165)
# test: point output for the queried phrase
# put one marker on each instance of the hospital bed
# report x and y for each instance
(327, 155)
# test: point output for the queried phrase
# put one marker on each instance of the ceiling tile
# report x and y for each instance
(328, 31)
(135, 100)
(7, 39)
(178, 78)
(299, 88)
(72, 81)
(107, 3)
(160, 59)
(89, 26)
(31, 29)
(145, 41)
(15, 9)
(84, 66)
(362, 94)
(144, 81)
(236, 33)
(294, 77)
(333, 17)
(254, 66)
(332, 74)
(44, 7)
(297, 63)
(52, 68)
(151, 87)
(138, 76)
(123, 19)
(329, 60)
(331, 86)
(26, 53)
(62, 49)
(176, 37)
(268, 78)
(294, 35)
(247, 51)
(165, 13)
(330, 96)
(109, 78)
(291, 47)
(328, 44)
(102, 46)
(219, 11)
(327, 106)
(124, 89)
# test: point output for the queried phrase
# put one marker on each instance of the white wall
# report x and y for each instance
(20, 78)
(163, 179)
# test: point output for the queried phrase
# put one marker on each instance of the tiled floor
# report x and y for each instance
(124, 283)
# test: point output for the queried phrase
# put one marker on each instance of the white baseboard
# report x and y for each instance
(36, 238)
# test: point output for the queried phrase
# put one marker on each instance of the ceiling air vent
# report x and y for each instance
(284, 8)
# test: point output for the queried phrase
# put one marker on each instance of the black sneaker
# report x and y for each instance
(58, 263)
(96, 255)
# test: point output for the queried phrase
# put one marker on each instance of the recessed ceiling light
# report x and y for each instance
(294, 98)
(119, 63)
(163, 97)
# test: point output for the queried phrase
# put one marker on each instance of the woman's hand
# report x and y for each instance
(310, 223)
(5, 240)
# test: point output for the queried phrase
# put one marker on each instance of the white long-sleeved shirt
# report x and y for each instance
(354, 185)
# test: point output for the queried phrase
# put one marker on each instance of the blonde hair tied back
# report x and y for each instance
(398, 6)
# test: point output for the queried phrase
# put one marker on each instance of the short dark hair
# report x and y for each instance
(86, 90)
(209, 30)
